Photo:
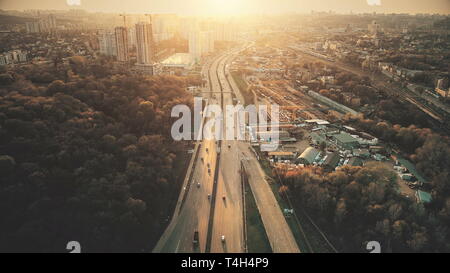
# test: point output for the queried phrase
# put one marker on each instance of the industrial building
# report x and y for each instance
(339, 107)
(308, 156)
(331, 162)
(346, 141)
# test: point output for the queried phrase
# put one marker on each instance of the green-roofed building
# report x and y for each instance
(346, 141)
(423, 197)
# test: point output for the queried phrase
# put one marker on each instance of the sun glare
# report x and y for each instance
(226, 6)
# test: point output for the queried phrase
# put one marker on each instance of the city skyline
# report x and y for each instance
(232, 7)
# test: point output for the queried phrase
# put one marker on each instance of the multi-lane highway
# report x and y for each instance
(194, 203)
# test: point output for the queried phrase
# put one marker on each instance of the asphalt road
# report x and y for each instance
(193, 207)
(223, 214)
(228, 216)
(278, 231)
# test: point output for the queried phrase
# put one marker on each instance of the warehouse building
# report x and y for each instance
(281, 155)
(331, 162)
(346, 141)
(308, 156)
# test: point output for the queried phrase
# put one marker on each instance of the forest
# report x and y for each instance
(359, 204)
(86, 155)
(355, 205)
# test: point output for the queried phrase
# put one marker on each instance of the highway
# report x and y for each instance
(193, 207)
(222, 213)
(278, 231)
(228, 217)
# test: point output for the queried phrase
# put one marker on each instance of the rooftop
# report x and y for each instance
(178, 59)
(309, 155)
(345, 138)
(281, 154)
(332, 160)
(424, 197)
(317, 121)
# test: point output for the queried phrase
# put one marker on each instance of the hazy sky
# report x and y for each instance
(235, 6)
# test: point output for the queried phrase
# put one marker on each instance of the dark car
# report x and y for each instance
(195, 241)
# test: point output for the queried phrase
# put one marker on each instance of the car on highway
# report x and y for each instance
(195, 240)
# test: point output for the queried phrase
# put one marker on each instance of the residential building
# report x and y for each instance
(107, 43)
(32, 27)
(145, 43)
(122, 44)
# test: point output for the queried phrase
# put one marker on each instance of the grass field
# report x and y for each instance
(243, 87)
(257, 241)
(307, 236)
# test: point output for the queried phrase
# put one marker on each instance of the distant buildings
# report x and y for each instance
(13, 57)
(32, 27)
(200, 43)
(121, 34)
(177, 61)
(164, 26)
(442, 88)
(145, 43)
(374, 28)
(107, 43)
(339, 107)
(43, 24)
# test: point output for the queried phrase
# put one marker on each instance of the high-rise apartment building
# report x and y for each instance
(164, 26)
(32, 27)
(200, 43)
(107, 43)
(122, 43)
(145, 48)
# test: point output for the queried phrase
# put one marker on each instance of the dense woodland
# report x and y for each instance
(355, 205)
(359, 204)
(86, 155)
